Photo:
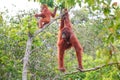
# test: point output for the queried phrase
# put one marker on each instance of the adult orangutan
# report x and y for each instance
(45, 15)
(66, 40)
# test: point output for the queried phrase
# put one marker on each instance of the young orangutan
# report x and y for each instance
(45, 15)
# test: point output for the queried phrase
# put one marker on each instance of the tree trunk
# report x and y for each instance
(26, 57)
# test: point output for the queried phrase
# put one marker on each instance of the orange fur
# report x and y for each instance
(45, 15)
(66, 40)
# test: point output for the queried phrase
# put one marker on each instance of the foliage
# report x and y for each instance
(13, 40)
(48, 2)
(11, 52)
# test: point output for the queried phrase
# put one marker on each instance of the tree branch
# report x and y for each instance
(86, 70)
(92, 69)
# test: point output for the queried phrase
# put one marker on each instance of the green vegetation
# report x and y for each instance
(100, 38)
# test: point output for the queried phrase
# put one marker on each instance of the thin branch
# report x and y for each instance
(86, 70)
(92, 69)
